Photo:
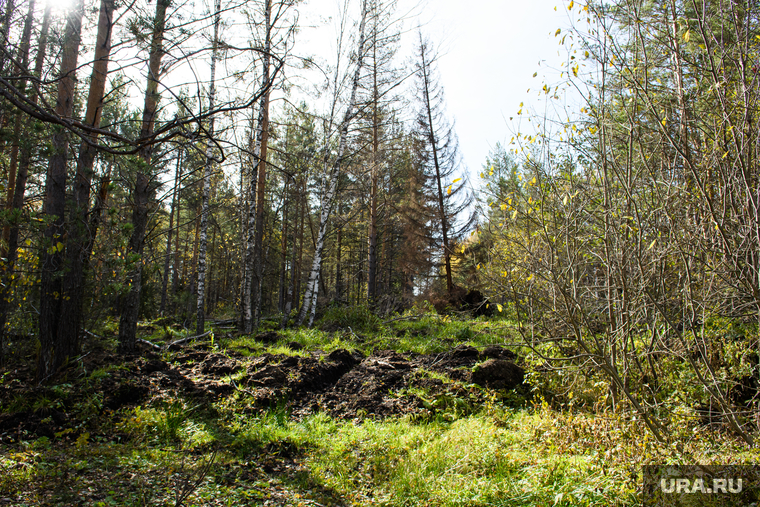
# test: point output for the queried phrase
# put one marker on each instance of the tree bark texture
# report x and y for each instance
(200, 311)
(80, 236)
(251, 283)
(172, 209)
(53, 353)
(309, 306)
(143, 188)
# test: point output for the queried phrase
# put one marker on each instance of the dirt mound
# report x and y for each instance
(348, 385)
(498, 374)
(343, 383)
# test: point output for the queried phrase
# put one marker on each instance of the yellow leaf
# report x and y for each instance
(564, 201)
(687, 35)
(514, 215)
(570, 7)
(59, 246)
(535, 74)
(559, 30)
(449, 190)
(529, 278)
(652, 244)
(503, 207)
(458, 179)
(575, 71)
(499, 307)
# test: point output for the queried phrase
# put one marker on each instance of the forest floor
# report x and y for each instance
(425, 411)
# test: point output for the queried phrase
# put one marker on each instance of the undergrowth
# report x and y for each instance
(564, 446)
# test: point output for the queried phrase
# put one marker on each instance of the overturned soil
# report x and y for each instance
(343, 383)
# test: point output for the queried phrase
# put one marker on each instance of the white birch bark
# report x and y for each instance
(203, 238)
(250, 253)
(309, 306)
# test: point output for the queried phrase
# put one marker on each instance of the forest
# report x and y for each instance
(234, 271)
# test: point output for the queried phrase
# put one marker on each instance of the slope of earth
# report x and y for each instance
(407, 416)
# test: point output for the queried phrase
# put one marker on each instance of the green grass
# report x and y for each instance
(481, 449)
(426, 334)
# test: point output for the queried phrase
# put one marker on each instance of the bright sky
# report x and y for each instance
(489, 51)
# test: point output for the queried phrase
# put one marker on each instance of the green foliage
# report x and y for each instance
(358, 318)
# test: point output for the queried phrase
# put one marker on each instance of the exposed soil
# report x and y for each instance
(343, 383)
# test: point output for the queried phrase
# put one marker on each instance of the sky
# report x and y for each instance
(488, 53)
(490, 50)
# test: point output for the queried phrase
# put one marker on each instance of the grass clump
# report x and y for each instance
(359, 318)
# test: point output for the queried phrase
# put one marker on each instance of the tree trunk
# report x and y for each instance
(143, 187)
(19, 188)
(372, 236)
(283, 248)
(175, 265)
(256, 189)
(52, 355)
(21, 72)
(165, 281)
(434, 149)
(298, 265)
(80, 236)
(310, 297)
(6, 30)
(199, 309)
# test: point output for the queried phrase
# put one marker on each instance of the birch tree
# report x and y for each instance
(260, 138)
(309, 306)
(200, 309)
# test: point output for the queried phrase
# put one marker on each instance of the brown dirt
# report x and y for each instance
(344, 383)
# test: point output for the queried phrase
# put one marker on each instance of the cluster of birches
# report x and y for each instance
(133, 190)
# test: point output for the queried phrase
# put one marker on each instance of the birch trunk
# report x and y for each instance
(259, 152)
(143, 187)
(51, 258)
(309, 306)
(283, 246)
(200, 309)
(172, 209)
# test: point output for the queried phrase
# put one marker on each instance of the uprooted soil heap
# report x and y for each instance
(343, 383)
